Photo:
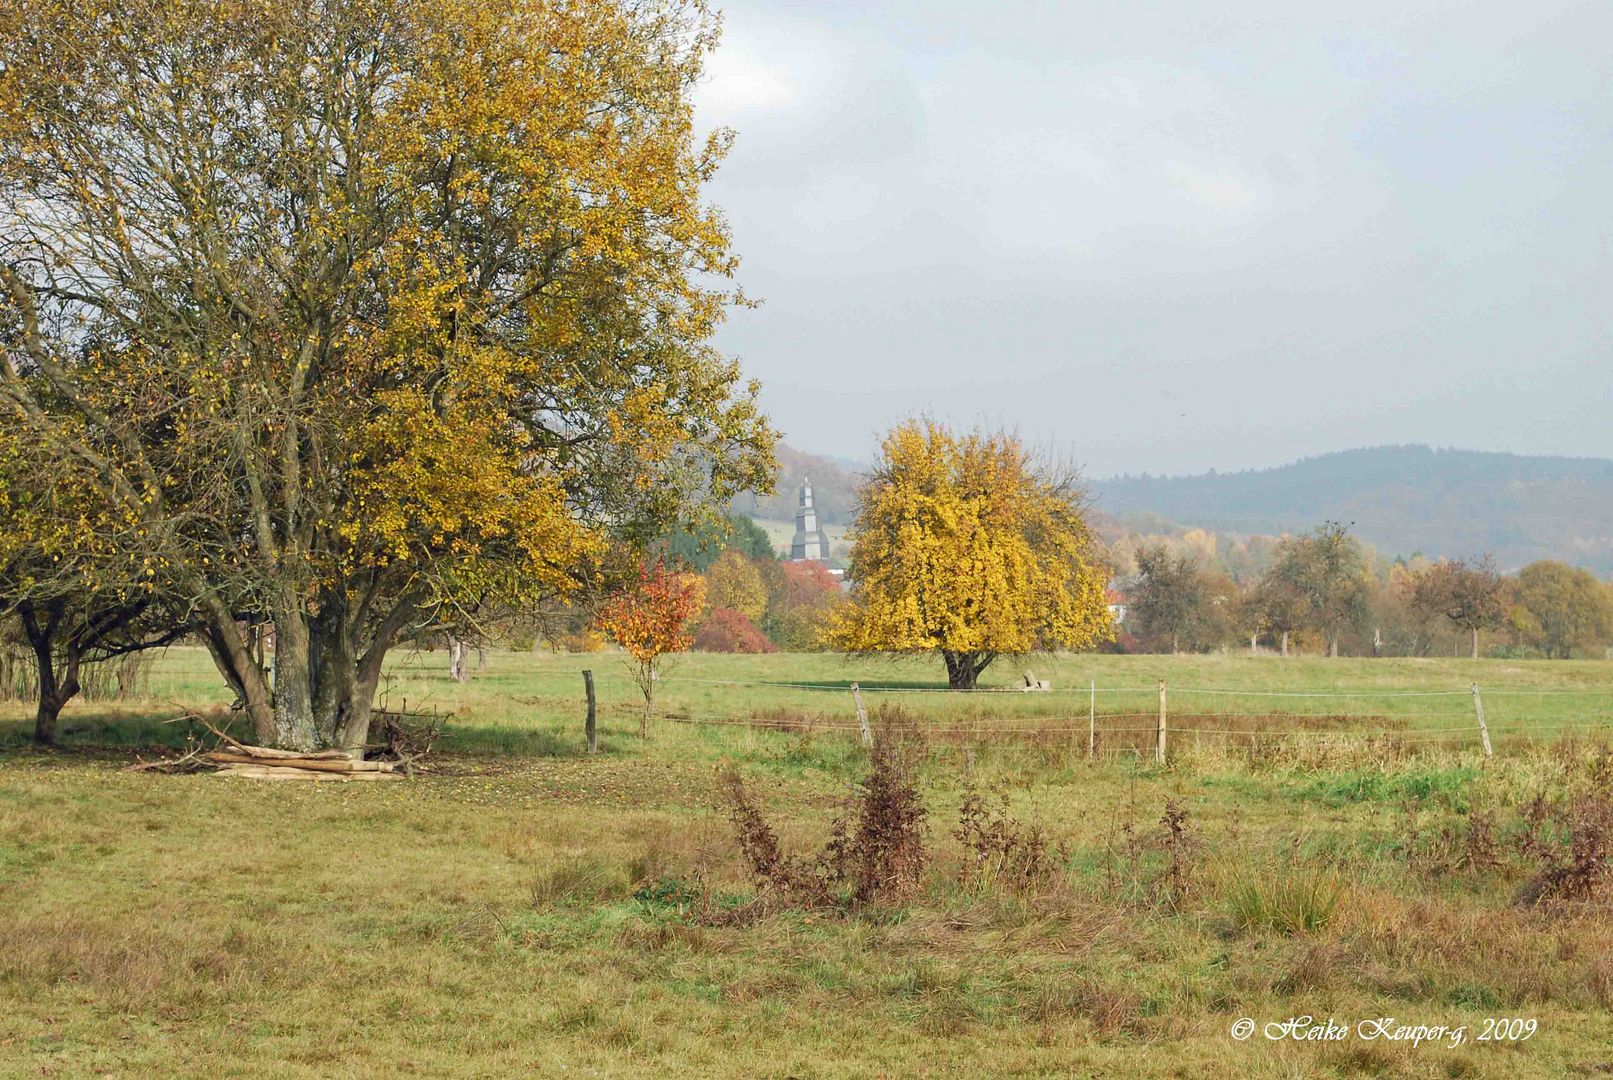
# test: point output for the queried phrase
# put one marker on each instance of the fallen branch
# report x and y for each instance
(190, 762)
(405, 745)
(288, 772)
(320, 762)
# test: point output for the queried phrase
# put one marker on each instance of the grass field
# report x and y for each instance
(530, 910)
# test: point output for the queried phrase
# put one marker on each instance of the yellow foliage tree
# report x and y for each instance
(368, 313)
(734, 582)
(963, 547)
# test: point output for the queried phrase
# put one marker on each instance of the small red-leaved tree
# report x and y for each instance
(649, 620)
(728, 631)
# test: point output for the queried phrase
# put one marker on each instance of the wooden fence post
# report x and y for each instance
(1159, 749)
(1092, 720)
(593, 735)
(1484, 729)
(862, 715)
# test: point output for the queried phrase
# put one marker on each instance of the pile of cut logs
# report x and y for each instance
(263, 763)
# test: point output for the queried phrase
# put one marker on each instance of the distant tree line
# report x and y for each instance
(1325, 591)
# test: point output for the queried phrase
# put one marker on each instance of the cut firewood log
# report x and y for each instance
(312, 764)
(262, 772)
(287, 772)
(271, 752)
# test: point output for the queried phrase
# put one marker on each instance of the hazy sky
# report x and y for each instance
(1176, 236)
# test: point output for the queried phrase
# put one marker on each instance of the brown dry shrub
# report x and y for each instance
(999, 850)
(1181, 847)
(1571, 838)
(875, 851)
(1468, 846)
(1580, 873)
(1132, 873)
(774, 871)
(878, 847)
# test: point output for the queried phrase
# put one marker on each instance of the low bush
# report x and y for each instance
(728, 631)
(875, 851)
(999, 851)
(1571, 838)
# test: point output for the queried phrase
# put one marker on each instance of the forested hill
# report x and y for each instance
(1403, 499)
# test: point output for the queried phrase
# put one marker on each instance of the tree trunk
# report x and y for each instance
(1254, 647)
(324, 685)
(1285, 642)
(1333, 646)
(647, 677)
(1475, 642)
(964, 668)
(54, 695)
(456, 659)
(56, 688)
(294, 683)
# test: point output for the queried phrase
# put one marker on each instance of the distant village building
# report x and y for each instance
(811, 544)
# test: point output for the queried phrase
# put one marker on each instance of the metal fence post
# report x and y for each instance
(1092, 720)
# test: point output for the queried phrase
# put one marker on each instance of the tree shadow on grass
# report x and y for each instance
(122, 730)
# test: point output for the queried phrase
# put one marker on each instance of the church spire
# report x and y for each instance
(810, 542)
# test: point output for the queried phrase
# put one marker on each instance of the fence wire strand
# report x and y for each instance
(1340, 727)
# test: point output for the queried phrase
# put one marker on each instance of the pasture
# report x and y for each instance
(1347, 852)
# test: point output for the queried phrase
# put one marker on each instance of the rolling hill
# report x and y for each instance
(1402, 499)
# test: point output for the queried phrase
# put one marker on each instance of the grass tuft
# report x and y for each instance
(1291, 901)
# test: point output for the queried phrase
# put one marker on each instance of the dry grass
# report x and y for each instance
(530, 910)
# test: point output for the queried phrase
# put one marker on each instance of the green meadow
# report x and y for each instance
(1344, 851)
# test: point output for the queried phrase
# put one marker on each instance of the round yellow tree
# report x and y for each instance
(963, 547)
(734, 582)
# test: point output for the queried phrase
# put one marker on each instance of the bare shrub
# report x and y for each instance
(1571, 838)
(1000, 851)
(875, 852)
(1155, 867)
(880, 850)
(1122, 855)
(759, 846)
(1581, 872)
(1180, 846)
(1468, 845)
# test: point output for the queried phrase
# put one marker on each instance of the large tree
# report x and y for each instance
(1173, 600)
(1469, 594)
(964, 547)
(1561, 610)
(362, 308)
(1320, 577)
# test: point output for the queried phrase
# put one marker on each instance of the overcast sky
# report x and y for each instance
(1174, 236)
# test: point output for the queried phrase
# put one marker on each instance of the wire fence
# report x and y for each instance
(1153, 721)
